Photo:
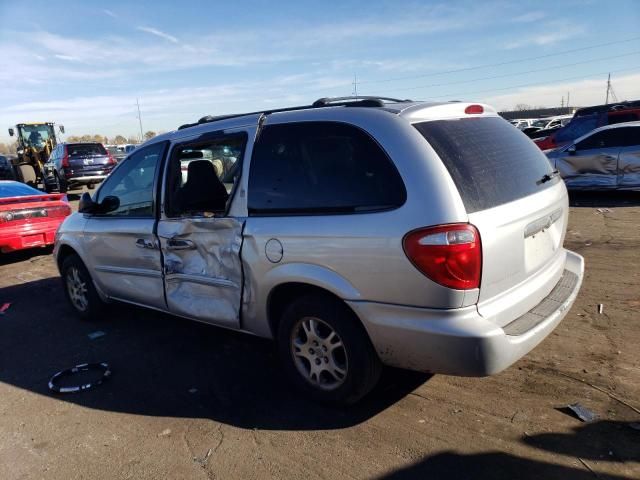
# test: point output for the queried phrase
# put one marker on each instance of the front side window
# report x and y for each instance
(202, 175)
(132, 182)
(321, 167)
(604, 139)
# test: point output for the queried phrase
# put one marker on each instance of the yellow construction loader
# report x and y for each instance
(35, 141)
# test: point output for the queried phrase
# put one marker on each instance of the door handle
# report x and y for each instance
(178, 244)
(144, 243)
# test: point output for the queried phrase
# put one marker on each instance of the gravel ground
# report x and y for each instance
(188, 400)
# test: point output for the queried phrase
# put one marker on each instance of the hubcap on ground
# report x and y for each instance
(318, 353)
(77, 289)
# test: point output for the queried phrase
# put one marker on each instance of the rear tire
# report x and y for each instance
(79, 289)
(62, 184)
(326, 352)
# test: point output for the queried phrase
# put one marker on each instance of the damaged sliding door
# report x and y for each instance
(202, 271)
(200, 243)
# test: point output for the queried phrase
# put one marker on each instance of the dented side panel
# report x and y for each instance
(202, 270)
(591, 169)
(629, 167)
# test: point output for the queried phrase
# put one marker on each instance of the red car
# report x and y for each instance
(28, 217)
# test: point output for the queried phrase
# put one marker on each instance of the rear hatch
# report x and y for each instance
(85, 158)
(518, 206)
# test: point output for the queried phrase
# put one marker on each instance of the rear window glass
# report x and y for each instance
(89, 149)
(321, 167)
(15, 189)
(490, 162)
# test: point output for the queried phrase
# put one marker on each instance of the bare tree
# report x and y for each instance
(522, 106)
(149, 135)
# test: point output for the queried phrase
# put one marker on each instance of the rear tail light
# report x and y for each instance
(111, 161)
(65, 159)
(29, 213)
(474, 109)
(450, 255)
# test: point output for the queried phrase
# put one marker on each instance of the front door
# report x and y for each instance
(121, 245)
(593, 163)
(200, 242)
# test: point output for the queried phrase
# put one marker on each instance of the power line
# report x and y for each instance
(545, 82)
(509, 62)
(517, 73)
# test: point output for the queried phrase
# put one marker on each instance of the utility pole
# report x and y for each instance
(568, 93)
(606, 102)
(139, 120)
(355, 85)
(562, 102)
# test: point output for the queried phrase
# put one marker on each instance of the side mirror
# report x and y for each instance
(86, 204)
(61, 127)
(11, 132)
(572, 150)
(109, 204)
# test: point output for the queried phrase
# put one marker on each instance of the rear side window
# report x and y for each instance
(321, 167)
(490, 162)
(577, 128)
(86, 149)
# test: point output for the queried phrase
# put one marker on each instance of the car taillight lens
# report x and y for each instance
(29, 213)
(450, 255)
(65, 160)
(111, 161)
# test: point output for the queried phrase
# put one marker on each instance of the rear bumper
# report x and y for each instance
(460, 341)
(86, 179)
(20, 239)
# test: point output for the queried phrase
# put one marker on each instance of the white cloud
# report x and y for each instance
(109, 13)
(158, 33)
(582, 92)
(529, 17)
(67, 58)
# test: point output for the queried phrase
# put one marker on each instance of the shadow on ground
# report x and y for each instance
(156, 359)
(604, 199)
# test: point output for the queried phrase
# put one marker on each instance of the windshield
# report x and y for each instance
(540, 123)
(35, 135)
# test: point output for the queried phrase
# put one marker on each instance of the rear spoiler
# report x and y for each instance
(48, 197)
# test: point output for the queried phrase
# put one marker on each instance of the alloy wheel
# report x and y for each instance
(319, 354)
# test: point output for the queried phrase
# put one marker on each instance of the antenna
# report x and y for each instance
(139, 120)
(606, 102)
(355, 85)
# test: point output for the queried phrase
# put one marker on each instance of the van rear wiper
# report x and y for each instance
(548, 177)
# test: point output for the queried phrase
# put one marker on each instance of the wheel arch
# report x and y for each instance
(283, 294)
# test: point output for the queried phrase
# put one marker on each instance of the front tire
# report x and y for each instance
(79, 289)
(326, 351)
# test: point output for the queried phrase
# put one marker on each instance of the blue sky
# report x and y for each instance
(84, 64)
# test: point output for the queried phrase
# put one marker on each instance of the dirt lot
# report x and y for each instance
(193, 401)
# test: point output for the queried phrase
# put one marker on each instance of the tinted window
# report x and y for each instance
(629, 136)
(603, 139)
(490, 162)
(623, 117)
(132, 182)
(85, 149)
(578, 127)
(321, 167)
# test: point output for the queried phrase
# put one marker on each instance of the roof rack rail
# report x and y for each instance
(321, 102)
(360, 101)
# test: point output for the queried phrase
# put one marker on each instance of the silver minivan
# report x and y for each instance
(356, 232)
